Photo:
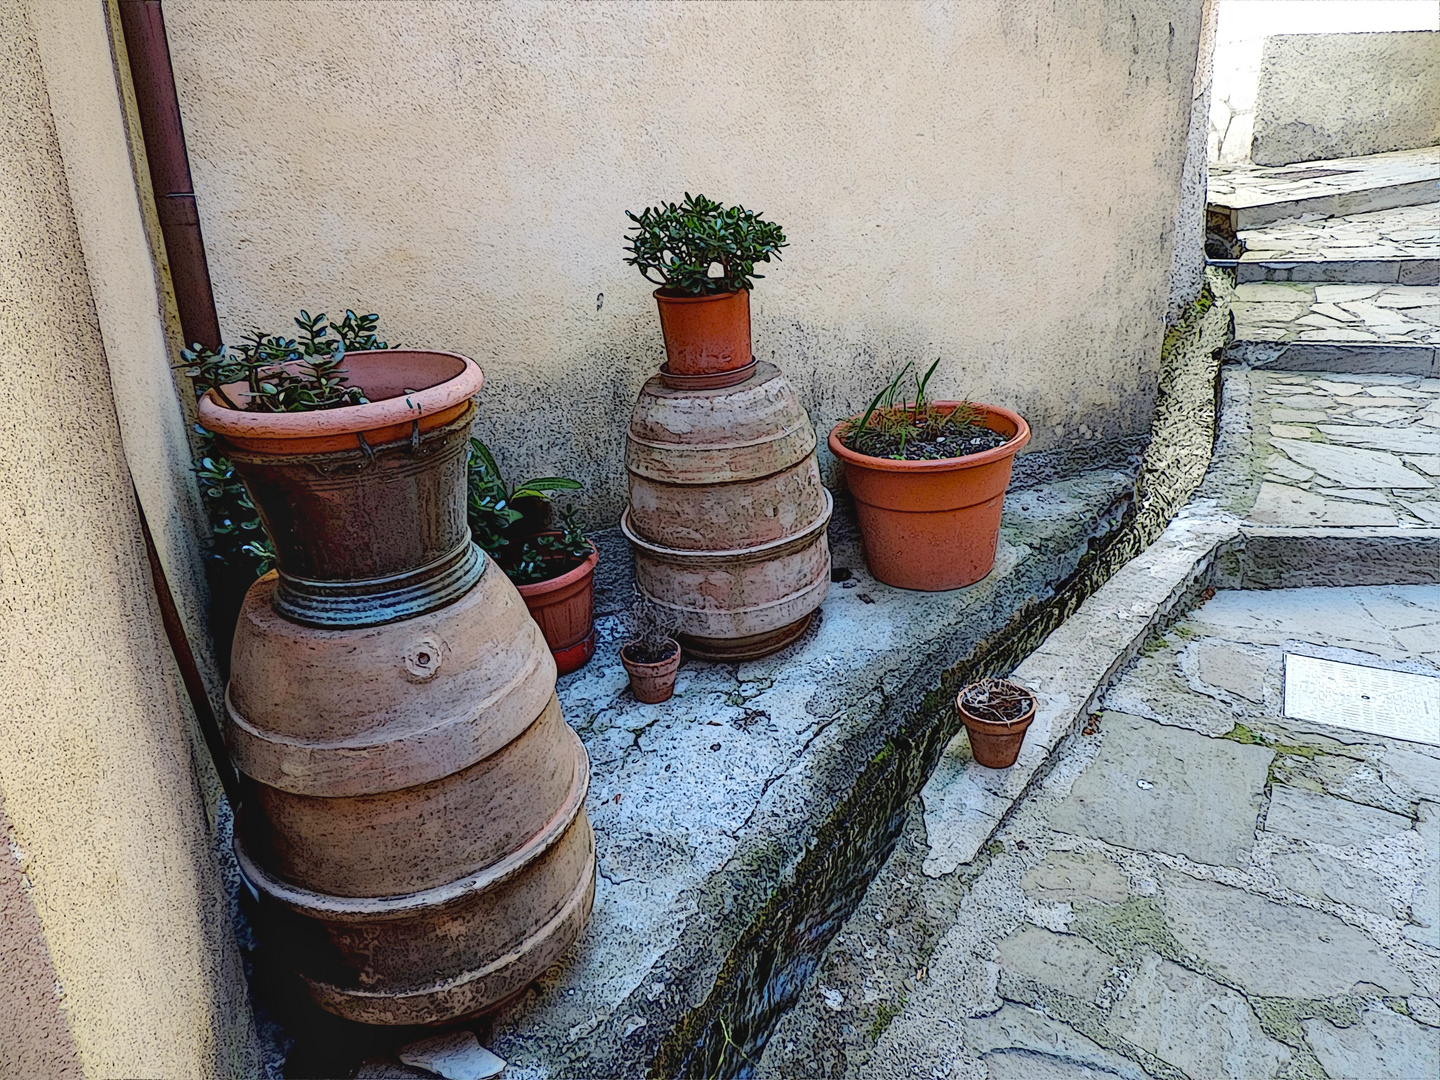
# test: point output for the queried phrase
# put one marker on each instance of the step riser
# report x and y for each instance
(1343, 271)
(1423, 360)
(1418, 193)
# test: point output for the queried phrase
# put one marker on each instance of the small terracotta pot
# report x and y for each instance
(996, 746)
(933, 525)
(652, 683)
(705, 335)
(564, 607)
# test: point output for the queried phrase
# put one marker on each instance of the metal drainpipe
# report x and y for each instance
(144, 27)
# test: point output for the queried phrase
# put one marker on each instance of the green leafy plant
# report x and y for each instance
(513, 524)
(917, 429)
(283, 374)
(677, 246)
(239, 540)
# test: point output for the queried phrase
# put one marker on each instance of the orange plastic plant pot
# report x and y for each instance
(564, 608)
(705, 335)
(933, 525)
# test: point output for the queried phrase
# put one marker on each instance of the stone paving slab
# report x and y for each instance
(1333, 449)
(1248, 196)
(1399, 246)
(1067, 948)
(1335, 320)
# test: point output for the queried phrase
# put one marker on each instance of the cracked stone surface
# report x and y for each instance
(1256, 195)
(699, 802)
(1085, 940)
(1398, 246)
(1365, 314)
(1369, 454)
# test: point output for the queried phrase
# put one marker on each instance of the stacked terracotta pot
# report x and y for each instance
(727, 515)
(414, 812)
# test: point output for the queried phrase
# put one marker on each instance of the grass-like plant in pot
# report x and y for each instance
(929, 480)
(553, 568)
(651, 654)
(703, 256)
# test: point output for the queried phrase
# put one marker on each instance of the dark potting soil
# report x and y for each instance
(999, 701)
(639, 654)
(960, 440)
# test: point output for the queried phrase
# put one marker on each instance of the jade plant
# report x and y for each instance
(283, 374)
(514, 524)
(918, 429)
(678, 247)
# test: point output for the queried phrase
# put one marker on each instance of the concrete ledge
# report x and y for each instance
(703, 805)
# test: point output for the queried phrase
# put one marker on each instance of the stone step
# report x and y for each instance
(1249, 196)
(1308, 326)
(1398, 246)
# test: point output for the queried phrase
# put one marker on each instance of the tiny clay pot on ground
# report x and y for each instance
(933, 525)
(564, 607)
(706, 335)
(652, 683)
(994, 745)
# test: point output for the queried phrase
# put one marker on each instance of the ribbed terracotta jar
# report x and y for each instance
(413, 815)
(727, 514)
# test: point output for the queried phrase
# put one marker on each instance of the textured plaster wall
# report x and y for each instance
(1187, 260)
(1342, 95)
(98, 774)
(1240, 42)
(993, 182)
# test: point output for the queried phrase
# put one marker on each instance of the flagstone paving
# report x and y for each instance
(1372, 314)
(1199, 888)
(1342, 449)
(1249, 196)
(1399, 246)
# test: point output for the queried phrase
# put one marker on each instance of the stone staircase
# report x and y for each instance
(1339, 268)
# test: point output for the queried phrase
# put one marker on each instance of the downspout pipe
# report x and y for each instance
(143, 25)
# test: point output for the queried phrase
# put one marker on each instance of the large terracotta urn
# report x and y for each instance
(413, 815)
(727, 515)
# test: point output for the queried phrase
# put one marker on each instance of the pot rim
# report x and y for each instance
(574, 574)
(645, 669)
(218, 417)
(663, 295)
(966, 716)
(1008, 449)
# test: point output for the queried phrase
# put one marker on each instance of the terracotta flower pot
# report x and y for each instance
(933, 525)
(652, 683)
(366, 503)
(994, 745)
(564, 607)
(706, 336)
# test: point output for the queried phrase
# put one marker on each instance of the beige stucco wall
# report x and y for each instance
(99, 774)
(1342, 95)
(994, 182)
(1240, 44)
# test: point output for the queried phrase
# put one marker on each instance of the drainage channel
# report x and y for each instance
(766, 970)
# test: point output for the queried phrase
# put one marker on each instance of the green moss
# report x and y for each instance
(1242, 734)
(1126, 929)
(887, 1012)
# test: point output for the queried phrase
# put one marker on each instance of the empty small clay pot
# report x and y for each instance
(995, 745)
(652, 683)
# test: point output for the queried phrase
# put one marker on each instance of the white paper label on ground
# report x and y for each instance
(1397, 704)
